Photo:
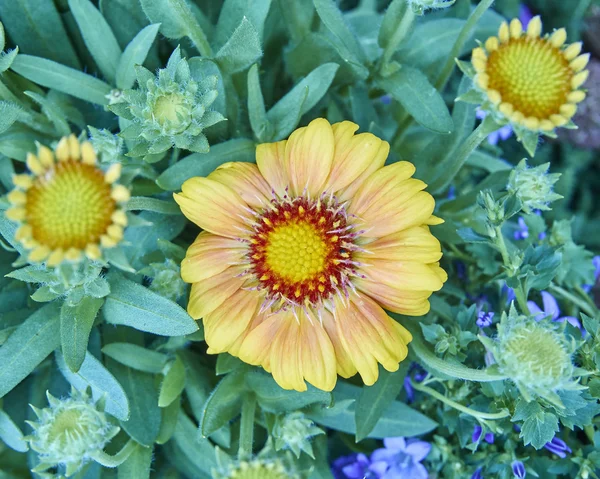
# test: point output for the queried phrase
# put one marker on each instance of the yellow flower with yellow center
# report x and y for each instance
(301, 252)
(532, 81)
(67, 206)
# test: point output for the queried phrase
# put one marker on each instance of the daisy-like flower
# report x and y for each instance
(302, 251)
(531, 81)
(67, 206)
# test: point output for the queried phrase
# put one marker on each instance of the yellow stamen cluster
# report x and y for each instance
(67, 206)
(533, 81)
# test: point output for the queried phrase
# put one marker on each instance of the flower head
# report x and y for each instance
(518, 469)
(551, 310)
(69, 432)
(302, 252)
(559, 447)
(533, 186)
(294, 431)
(255, 469)
(168, 110)
(67, 206)
(478, 432)
(484, 319)
(401, 459)
(353, 466)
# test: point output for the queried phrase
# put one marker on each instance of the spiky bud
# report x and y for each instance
(166, 279)
(533, 186)
(70, 431)
(420, 6)
(255, 469)
(294, 431)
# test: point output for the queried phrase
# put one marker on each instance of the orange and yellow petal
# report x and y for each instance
(345, 366)
(354, 155)
(245, 180)
(255, 348)
(415, 244)
(210, 255)
(209, 294)
(309, 157)
(213, 206)
(390, 201)
(270, 160)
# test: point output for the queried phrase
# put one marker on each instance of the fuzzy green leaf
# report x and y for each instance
(9, 113)
(135, 54)
(391, 19)
(28, 346)
(332, 18)
(133, 305)
(11, 434)
(98, 37)
(136, 357)
(256, 106)
(137, 465)
(241, 50)
(538, 427)
(172, 384)
(59, 77)
(198, 450)
(224, 402)
(168, 421)
(424, 103)
(75, 325)
(153, 204)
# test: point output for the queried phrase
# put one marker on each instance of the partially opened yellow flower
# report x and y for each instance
(532, 81)
(67, 207)
(301, 252)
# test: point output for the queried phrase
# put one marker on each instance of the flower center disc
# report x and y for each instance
(532, 75)
(299, 251)
(70, 206)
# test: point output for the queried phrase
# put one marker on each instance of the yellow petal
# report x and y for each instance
(415, 244)
(491, 44)
(579, 79)
(256, 346)
(16, 213)
(120, 193)
(119, 217)
(210, 255)
(574, 97)
(74, 150)
(534, 28)
(317, 355)
(516, 28)
(244, 179)
(62, 149)
(39, 254)
(46, 156)
(580, 62)
(558, 38)
(409, 303)
(405, 275)
(309, 157)
(209, 294)
(34, 165)
(88, 155)
(23, 181)
(113, 173)
(270, 162)
(56, 257)
(482, 80)
(572, 51)
(213, 206)
(479, 64)
(286, 365)
(345, 366)
(354, 156)
(92, 251)
(16, 197)
(504, 33)
(73, 254)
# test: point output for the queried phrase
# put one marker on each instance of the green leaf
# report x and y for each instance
(224, 403)
(75, 325)
(172, 384)
(201, 164)
(92, 373)
(256, 106)
(332, 18)
(59, 77)
(374, 400)
(136, 357)
(241, 50)
(138, 307)
(137, 465)
(305, 95)
(153, 204)
(391, 19)
(424, 103)
(36, 26)
(538, 426)
(98, 37)
(11, 434)
(28, 346)
(233, 11)
(198, 450)
(9, 113)
(135, 54)
(168, 422)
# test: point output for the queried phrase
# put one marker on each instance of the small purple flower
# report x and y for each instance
(509, 293)
(484, 319)
(551, 310)
(522, 231)
(354, 466)
(596, 262)
(477, 474)
(558, 447)
(525, 15)
(400, 459)
(477, 431)
(503, 133)
(386, 99)
(419, 375)
(518, 469)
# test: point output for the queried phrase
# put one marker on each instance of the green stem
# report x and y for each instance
(586, 297)
(459, 407)
(461, 40)
(119, 458)
(438, 365)
(574, 299)
(520, 291)
(408, 19)
(247, 426)
(457, 160)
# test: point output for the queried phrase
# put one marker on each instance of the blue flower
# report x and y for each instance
(558, 447)
(596, 262)
(354, 466)
(477, 474)
(551, 310)
(518, 469)
(477, 431)
(400, 459)
(522, 231)
(420, 374)
(484, 319)
(525, 15)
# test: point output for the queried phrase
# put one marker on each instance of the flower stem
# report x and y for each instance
(459, 407)
(462, 38)
(445, 368)
(247, 426)
(574, 299)
(408, 19)
(458, 159)
(119, 458)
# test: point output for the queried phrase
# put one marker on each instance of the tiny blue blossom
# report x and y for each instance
(484, 319)
(522, 231)
(477, 474)
(518, 469)
(477, 432)
(551, 310)
(353, 466)
(558, 447)
(596, 262)
(419, 375)
(400, 459)
(525, 15)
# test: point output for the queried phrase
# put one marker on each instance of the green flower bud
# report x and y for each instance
(533, 186)
(294, 432)
(69, 432)
(420, 6)
(166, 279)
(256, 469)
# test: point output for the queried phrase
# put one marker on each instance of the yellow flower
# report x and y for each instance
(301, 252)
(532, 81)
(67, 206)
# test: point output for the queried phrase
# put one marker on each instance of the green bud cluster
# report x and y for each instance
(533, 186)
(69, 432)
(294, 431)
(168, 110)
(166, 279)
(420, 6)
